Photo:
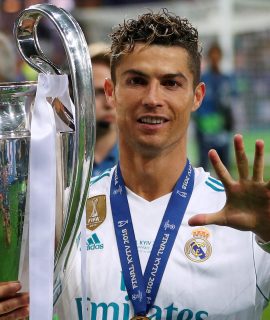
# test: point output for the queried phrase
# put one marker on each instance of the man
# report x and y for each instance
(106, 148)
(214, 120)
(146, 257)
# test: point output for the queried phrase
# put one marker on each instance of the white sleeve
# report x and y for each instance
(262, 269)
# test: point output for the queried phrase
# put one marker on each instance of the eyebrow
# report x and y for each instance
(135, 72)
(164, 76)
(175, 75)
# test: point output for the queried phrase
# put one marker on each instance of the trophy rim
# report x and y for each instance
(24, 84)
(18, 83)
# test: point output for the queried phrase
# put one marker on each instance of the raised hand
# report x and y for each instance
(248, 199)
(13, 305)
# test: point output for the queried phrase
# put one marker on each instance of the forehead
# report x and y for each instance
(100, 66)
(155, 59)
(100, 71)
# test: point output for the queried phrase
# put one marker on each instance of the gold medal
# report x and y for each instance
(139, 318)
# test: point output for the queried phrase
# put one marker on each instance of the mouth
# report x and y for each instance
(152, 120)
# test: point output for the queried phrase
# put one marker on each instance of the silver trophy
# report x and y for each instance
(75, 147)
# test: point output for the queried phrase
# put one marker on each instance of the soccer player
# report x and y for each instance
(166, 240)
(106, 147)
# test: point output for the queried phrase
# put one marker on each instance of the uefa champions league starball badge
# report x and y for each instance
(198, 248)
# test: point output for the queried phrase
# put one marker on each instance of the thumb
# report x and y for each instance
(205, 219)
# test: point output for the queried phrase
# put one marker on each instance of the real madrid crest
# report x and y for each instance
(198, 248)
(95, 211)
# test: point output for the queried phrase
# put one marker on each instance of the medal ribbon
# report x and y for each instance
(142, 289)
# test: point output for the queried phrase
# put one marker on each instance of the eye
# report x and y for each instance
(135, 81)
(171, 83)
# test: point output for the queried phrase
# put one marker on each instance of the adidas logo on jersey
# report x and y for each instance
(93, 243)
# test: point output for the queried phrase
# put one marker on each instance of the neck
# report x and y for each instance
(215, 69)
(154, 177)
(105, 143)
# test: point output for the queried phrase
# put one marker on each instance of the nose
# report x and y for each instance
(153, 95)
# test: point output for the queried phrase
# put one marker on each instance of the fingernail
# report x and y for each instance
(15, 285)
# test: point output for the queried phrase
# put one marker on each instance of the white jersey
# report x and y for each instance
(212, 273)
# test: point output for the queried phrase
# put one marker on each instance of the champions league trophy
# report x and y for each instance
(74, 148)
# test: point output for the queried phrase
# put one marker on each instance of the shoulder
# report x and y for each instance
(102, 176)
(208, 191)
(204, 180)
(101, 183)
(208, 194)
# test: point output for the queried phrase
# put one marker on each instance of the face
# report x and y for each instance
(215, 57)
(154, 96)
(105, 113)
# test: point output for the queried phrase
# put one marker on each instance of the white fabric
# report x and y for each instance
(264, 245)
(229, 285)
(42, 206)
(84, 268)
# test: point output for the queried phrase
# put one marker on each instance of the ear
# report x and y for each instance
(109, 91)
(198, 96)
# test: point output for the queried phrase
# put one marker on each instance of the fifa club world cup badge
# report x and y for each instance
(198, 248)
(95, 211)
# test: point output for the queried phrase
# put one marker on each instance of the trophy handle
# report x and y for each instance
(76, 49)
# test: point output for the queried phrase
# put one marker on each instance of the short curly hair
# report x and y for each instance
(162, 28)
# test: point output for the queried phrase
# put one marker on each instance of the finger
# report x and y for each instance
(9, 289)
(258, 166)
(204, 219)
(21, 313)
(219, 167)
(241, 158)
(14, 303)
(7, 282)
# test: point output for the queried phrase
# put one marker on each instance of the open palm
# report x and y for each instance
(248, 200)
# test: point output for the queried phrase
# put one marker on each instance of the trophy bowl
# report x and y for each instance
(15, 99)
(74, 147)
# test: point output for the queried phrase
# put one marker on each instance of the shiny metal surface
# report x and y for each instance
(81, 74)
(76, 149)
(14, 156)
(65, 154)
(15, 104)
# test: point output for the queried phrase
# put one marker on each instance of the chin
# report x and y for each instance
(149, 149)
